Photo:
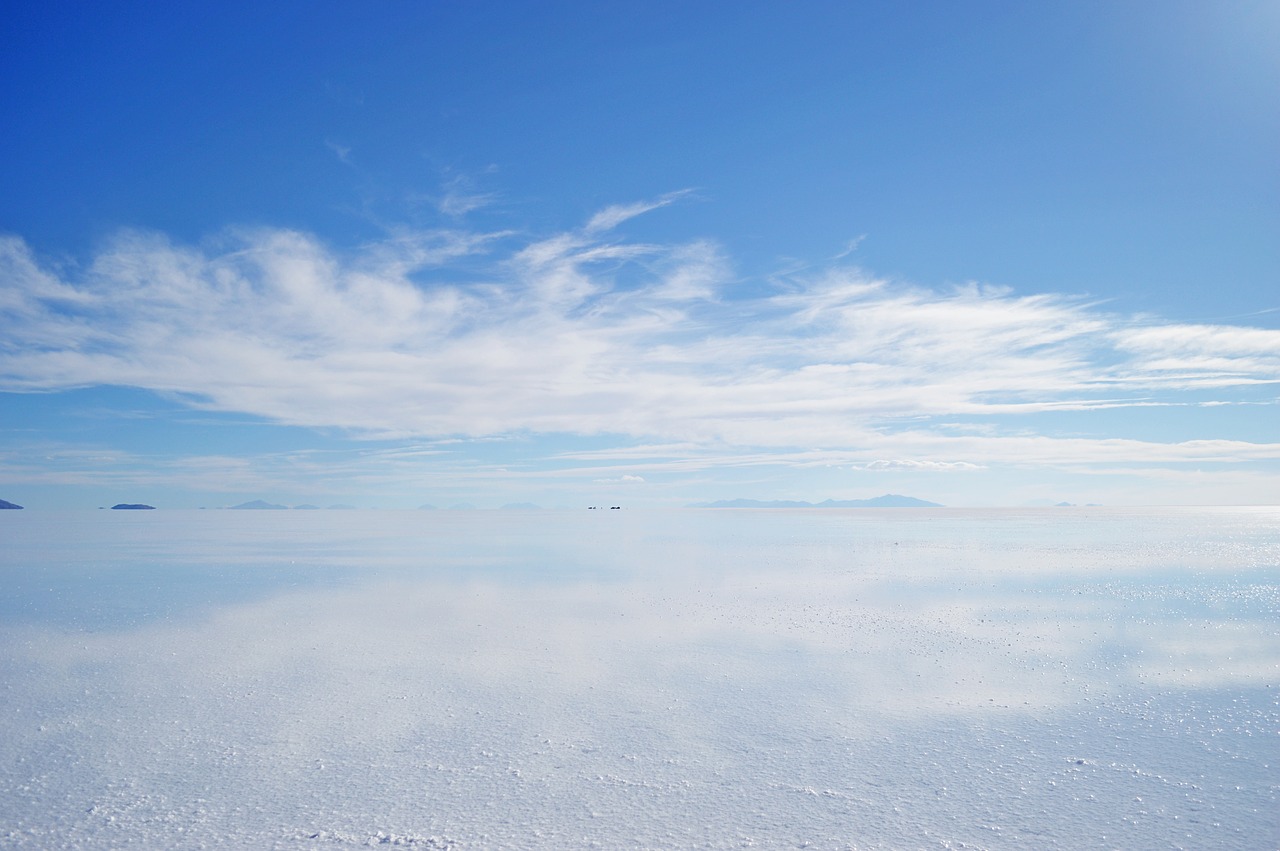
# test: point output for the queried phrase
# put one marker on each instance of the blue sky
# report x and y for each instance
(399, 253)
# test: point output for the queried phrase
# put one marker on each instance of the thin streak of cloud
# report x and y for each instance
(610, 217)
(928, 451)
(850, 246)
(342, 152)
(461, 197)
(918, 465)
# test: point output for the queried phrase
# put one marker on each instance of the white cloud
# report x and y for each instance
(913, 464)
(612, 216)
(342, 152)
(1202, 355)
(572, 333)
(457, 201)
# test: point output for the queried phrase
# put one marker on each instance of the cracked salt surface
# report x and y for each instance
(820, 679)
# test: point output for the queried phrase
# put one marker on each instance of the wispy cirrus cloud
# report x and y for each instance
(612, 216)
(1202, 355)
(916, 464)
(342, 152)
(584, 332)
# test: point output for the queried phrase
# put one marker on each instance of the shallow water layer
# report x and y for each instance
(861, 679)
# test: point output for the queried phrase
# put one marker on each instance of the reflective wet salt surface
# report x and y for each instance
(1073, 678)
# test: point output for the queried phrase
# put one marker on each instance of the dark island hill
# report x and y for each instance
(4, 503)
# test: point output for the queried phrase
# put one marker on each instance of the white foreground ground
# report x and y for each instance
(865, 679)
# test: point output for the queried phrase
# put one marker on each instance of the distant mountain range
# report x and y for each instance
(4, 503)
(889, 500)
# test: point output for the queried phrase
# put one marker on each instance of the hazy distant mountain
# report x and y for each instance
(6, 504)
(889, 500)
(258, 504)
(132, 506)
(426, 506)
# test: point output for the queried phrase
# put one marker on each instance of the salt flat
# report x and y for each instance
(1059, 678)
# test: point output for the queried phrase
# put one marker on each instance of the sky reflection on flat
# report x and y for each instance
(865, 679)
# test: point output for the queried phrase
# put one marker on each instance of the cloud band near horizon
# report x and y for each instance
(463, 333)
